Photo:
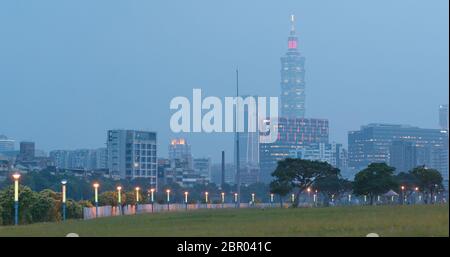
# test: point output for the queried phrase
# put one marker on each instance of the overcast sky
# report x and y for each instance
(71, 70)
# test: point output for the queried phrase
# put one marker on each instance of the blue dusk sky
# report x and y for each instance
(71, 70)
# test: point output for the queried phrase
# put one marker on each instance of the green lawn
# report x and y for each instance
(338, 221)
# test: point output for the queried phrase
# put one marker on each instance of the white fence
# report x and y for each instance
(107, 211)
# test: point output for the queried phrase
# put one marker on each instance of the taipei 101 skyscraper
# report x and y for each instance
(292, 78)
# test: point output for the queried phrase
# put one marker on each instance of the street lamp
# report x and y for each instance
(417, 192)
(137, 198)
(403, 194)
(152, 197)
(253, 198)
(186, 198)
(16, 177)
(96, 186)
(119, 198)
(206, 199)
(168, 199)
(223, 198)
(235, 199)
(309, 193)
(63, 184)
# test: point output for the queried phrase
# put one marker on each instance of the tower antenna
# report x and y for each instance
(238, 169)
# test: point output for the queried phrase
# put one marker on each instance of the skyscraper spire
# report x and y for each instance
(292, 24)
(293, 78)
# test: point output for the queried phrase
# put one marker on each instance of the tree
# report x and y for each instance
(332, 185)
(74, 210)
(43, 209)
(280, 188)
(26, 199)
(108, 198)
(377, 178)
(428, 180)
(301, 174)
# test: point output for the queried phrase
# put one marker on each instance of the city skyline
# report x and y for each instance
(81, 105)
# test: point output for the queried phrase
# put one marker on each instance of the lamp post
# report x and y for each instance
(186, 199)
(119, 199)
(316, 196)
(417, 193)
(223, 198)
(137, 198)
(168, 199)
(63, 190)
(206, 199)
(403, 194)
(96, 186)
(152, 196)
(253, 199)
(235, 199)
(16, 177)
(309, 194)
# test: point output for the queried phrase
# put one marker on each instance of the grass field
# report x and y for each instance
(338, 221)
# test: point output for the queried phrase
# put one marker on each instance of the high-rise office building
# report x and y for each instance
(26, 151)
(132, 154)
(443, 116)
(333, 153)
(293, 134)
(372, 143)
(181, 150)
(292, 78)
(6, 144)
(402, 156)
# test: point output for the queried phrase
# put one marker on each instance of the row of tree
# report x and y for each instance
(297, 175)
(43, 206)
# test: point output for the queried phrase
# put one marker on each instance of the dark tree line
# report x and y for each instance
(297, 175)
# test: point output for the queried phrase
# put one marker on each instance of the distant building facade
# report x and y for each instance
(27, 151)
(333, 154)
(202, 168)
(375, 143)
(132, 154)
(403, 156)
(80, 159)
(293, 134)
(180, 149)
(6, 144)
(443, 116)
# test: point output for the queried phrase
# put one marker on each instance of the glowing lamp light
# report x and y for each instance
(152, 191)
(119, 194)
(96, 186)
(137, 193)
(63, 183)
(16, 177)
